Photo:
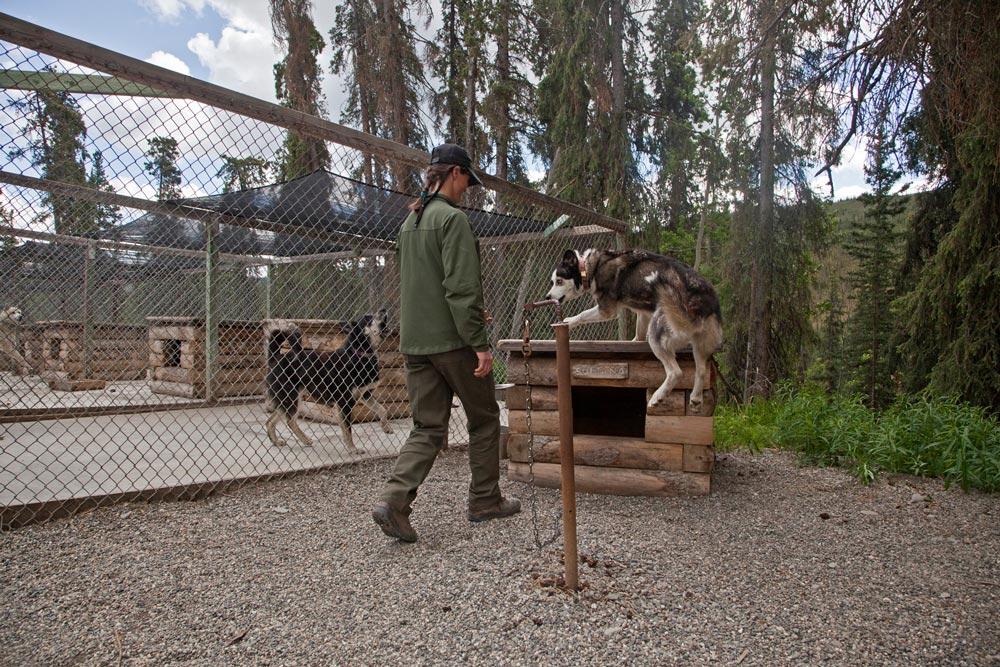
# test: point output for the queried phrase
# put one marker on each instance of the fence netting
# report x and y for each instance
(152, 246)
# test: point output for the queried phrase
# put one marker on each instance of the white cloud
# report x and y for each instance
(240, 60)
(165, 10)
(169, 61)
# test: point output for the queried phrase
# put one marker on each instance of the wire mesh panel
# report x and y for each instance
(173, 281)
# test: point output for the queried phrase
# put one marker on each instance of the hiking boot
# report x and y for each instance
(501, 509)
(393, 522)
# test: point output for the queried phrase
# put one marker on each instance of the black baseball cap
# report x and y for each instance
(454, 154)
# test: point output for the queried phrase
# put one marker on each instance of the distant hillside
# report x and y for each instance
(836, 265)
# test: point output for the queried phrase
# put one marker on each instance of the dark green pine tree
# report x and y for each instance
(509, 103)
(588, 95)
(56, 133)
(7, 241)
(243, 173)
(162, 166)
(873, 243)
(448, 62)
(103, 216)
(297, 84)
(829, 370)
(676, 109)
(374, 48)
(764, 57)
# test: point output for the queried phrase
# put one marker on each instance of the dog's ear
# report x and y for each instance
(570, 258)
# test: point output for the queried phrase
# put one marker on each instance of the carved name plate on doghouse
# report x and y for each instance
(601, 371)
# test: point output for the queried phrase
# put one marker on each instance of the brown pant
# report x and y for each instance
(431, 382)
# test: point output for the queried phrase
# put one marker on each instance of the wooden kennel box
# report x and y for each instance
(178, 356)
(328, 335)
(62, 351)
(620, 448)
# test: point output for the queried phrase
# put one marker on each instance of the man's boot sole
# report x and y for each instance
(383, 518)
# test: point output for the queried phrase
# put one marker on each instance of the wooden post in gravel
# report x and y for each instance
(565, 402)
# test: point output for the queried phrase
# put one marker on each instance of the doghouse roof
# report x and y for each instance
(335, 213)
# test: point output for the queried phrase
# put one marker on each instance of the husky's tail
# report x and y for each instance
(278, 338)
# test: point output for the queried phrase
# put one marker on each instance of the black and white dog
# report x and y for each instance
(675, 306)
(338, 379)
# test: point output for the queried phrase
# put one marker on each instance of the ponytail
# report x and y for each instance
(434, 177)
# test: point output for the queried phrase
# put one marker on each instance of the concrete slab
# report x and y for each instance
(43, 461)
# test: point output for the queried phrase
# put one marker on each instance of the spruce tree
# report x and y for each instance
(873, 244)
(162, 166)
(374, 47)
(56, 134)
(676, 111)
(297, 84)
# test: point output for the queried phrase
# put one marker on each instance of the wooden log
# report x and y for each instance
(63, 384)
(617, 481)
(678, 403)
(598, 373)
(599, 450)
(598, 349)
(390, 393)
(361, 414)
(699, 458)
(392, 376)
(198, 361)
(177, 389)
(250, 388)
(195, 348)
(392, 359)
(543, 422)
(177, 333)
(225, 376)
(673, 406)
(683, 430)
(542, 398)
(103, 365)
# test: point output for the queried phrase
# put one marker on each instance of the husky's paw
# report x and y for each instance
(653, 402)
(695, 404)
(279, 442)
(386, 428)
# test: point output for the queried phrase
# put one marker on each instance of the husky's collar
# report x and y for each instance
(583, 272)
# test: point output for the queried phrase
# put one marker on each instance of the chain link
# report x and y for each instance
(533, 496)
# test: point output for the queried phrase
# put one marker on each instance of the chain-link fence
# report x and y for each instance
(149, 258)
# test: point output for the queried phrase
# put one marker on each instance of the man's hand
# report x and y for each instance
(485, 366)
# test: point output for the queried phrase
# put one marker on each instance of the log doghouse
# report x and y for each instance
(620, 447)
(328, 335)
(178, 357)
(73, 356)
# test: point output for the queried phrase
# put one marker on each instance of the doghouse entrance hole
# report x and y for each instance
(172, 353)
(613, 411)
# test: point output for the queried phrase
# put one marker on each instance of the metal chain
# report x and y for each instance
(533, 497)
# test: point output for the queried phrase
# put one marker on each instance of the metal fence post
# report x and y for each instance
(211, 308)
(564, 399)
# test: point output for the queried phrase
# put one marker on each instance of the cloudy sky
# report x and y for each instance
(230, 43)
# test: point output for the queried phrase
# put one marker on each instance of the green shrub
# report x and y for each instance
(922, 435)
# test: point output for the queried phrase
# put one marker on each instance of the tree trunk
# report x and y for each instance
(760, 292)
(619, 139)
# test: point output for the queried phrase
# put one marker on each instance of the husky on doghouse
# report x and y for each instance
(674, 306)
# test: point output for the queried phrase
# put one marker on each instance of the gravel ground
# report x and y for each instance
(782, 565)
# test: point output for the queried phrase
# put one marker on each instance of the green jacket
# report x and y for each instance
(441, 285)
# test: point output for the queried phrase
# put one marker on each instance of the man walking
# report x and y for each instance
(443, 337)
